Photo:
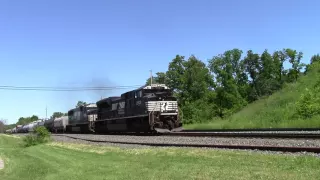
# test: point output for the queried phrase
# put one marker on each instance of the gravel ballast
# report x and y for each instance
(189, 140)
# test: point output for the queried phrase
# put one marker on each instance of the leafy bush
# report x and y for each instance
(39, 136)
(197, 112)
(309, 103)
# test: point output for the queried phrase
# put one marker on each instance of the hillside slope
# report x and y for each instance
(276, 111)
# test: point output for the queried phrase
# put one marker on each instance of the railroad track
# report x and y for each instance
(309, 135)
(241, 134)
(243, 147)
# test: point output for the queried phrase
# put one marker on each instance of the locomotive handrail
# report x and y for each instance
(152, 113)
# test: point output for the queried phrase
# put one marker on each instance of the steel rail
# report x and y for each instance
(253, 129)
(269, 135)
(243, 147)
(247, 135)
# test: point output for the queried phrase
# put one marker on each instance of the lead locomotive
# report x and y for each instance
(146, 109)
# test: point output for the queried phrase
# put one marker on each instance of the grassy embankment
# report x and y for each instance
(71, 161)
(275, 111)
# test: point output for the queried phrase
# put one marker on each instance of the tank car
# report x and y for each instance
(59, 124)
(14, 130)
(25, 128)
(40, 123)
(147, 109)
(49, 124)
(81, 119)
(31, 126)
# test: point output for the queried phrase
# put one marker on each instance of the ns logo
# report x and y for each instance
(164, 107)
(138, 103)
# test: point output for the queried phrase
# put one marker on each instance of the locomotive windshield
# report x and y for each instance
(159, 93)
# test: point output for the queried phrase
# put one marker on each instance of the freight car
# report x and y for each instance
(147, 109)
(60, 124)
(19, 129)
(49, 124)
(14, 130)
(40, 123)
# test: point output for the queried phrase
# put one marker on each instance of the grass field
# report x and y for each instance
(72, 161)
(275, 111)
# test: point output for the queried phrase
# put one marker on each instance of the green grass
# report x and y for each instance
(275, 111)
(72, 161)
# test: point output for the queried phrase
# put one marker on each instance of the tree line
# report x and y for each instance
(229, 81)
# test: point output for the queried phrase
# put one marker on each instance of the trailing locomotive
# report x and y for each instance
(81, 119)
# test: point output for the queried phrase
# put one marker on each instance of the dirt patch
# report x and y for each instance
(1, 164)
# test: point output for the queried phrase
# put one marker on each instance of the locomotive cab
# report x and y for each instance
(161, 106)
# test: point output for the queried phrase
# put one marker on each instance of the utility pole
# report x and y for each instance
(150, 77)
(46, 112)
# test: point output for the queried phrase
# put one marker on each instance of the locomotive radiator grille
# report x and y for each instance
(162, 106)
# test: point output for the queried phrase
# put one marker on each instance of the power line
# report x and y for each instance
(34, 88)
(49, 87)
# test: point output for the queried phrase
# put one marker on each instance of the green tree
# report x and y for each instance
(160, 78)
(81, 103)
(294, 59)
(252, 67)
(57, 115)
(195, 81)
(26, 120)
(175, 73)
(279, 57)
(267, 80)
(227, 73)
(191, 81)
(314, 59)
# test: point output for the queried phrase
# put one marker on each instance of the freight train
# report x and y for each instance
(150, 108)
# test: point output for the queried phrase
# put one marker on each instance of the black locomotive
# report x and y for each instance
(81, 119)
(150, 108)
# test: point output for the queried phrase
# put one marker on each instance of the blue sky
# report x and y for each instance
(116, 42)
